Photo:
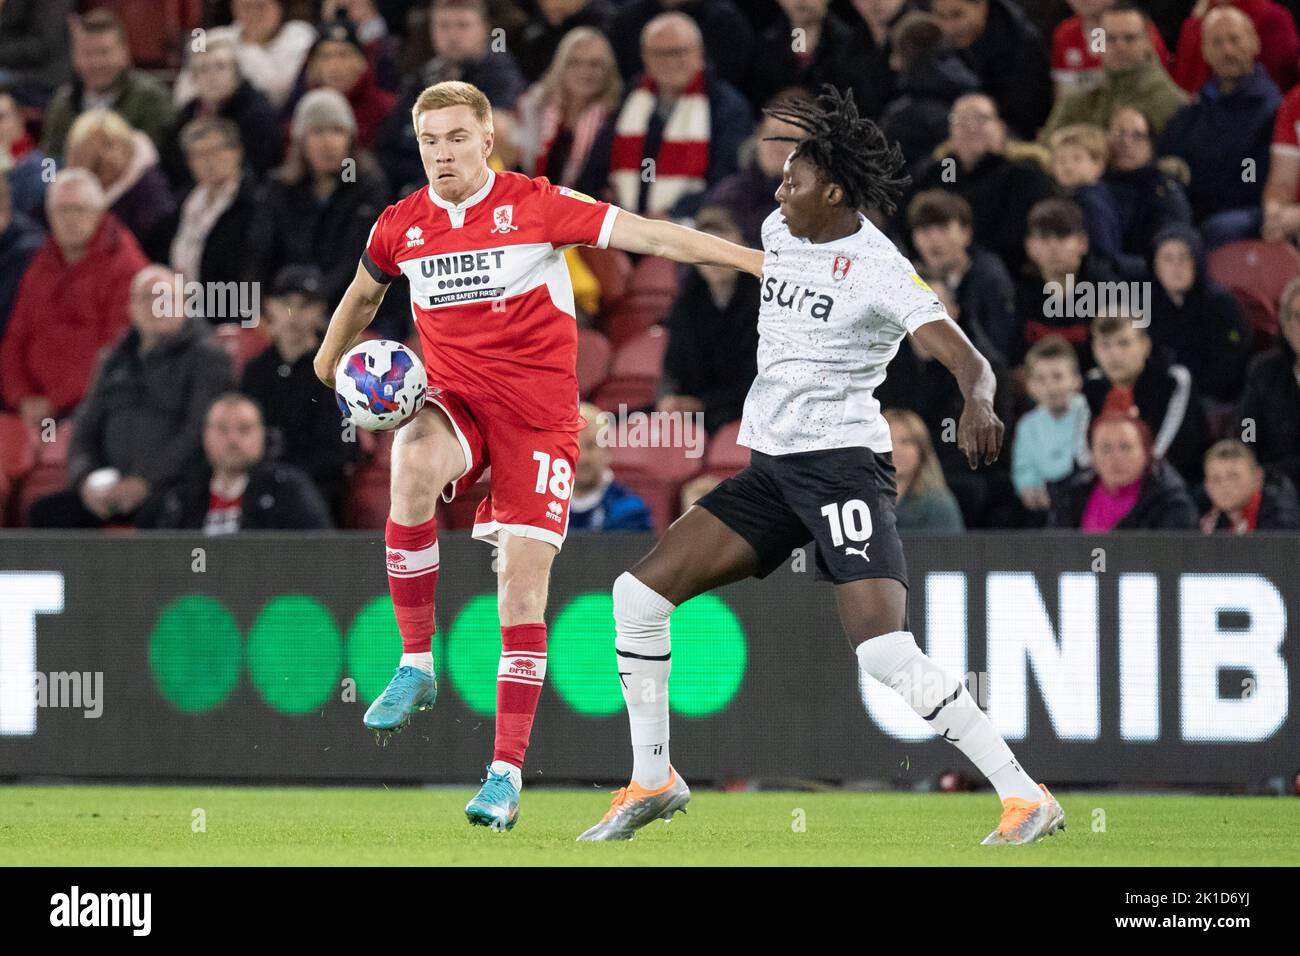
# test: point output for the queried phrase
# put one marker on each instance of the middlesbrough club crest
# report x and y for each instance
(501, 217)
(840, 267)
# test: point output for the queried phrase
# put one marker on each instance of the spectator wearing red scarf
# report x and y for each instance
(1238, 499)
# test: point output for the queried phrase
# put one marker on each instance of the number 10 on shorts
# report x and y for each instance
(851, 520)
(560, 473)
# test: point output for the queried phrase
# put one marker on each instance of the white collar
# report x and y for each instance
(470, 201)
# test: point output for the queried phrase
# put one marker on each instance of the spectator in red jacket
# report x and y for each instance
(1279, 43)
(72, 301)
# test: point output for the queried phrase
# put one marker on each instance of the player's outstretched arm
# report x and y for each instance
(979, 433)
(355, 313)
(659, 237)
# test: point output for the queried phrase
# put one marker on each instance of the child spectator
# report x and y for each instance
(942, 232)
(1129, 374)
(1057, 247)
(1237, 499)
(1079, 157)
(1049, 439)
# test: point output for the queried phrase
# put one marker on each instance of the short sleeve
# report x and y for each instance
(917, 304)
(574, 218)
(1284, 127)
(378, 258)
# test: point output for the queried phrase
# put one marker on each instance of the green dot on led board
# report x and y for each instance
(473, 651)
(709, 656)
(708, 662)
(580, 662)
(195, 653)
(294, 654)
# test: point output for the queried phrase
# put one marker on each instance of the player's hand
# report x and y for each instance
(979, 433)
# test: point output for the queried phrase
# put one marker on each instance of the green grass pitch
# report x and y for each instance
(155, 826)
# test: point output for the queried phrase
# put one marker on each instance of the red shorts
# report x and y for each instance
(532, 470)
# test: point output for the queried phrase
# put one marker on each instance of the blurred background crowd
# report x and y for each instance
(1105, 195)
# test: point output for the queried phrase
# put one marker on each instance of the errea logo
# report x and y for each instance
(554, 510)
(414, 237)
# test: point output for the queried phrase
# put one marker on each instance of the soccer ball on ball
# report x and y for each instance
(379, 385)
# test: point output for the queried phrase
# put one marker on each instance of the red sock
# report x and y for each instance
(519, 685)
(412, 580)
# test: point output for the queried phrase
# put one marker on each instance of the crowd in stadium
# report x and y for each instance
(1105, 195)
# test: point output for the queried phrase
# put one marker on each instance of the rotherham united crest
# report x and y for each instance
(840, 267)
(501, 217)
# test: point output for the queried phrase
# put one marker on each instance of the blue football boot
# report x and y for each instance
(411, 689)
(496, 805)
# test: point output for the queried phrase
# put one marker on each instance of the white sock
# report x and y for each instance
(423, 660)
(515, 774)
(643, 647)
(943, 701)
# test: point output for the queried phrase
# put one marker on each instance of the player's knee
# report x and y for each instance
(521, 601)
(638, 608)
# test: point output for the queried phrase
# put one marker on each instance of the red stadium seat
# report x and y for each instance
(17, 450)
(655, 274)
(593, 360)
(657, 475)
(1264, 268)
(612, 269)
(365, 504)
(40, 481)
(241, 343)
(1262, 315)
(55, 452)
(635, 371)
(725, 457)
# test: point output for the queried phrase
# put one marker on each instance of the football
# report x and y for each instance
(379, 385)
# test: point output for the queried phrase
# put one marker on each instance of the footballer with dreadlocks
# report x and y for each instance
(837, 299)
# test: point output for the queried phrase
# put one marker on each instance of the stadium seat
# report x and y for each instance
(1261, 314)
(1260, 268)
(365, 503)
(635, 371)
(651, 292)
(612, 269)
(40, 481)
(17, 450)
(724, 456)
(657, 475)
(242, 344)
(593, 361)
(55, 452)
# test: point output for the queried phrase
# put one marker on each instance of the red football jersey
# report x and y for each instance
(490, 290)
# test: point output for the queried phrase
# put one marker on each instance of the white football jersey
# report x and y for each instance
(831, 318)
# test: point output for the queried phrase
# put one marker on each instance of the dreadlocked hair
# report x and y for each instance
(846, 149)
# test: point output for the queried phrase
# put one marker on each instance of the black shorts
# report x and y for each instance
(843, 498)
